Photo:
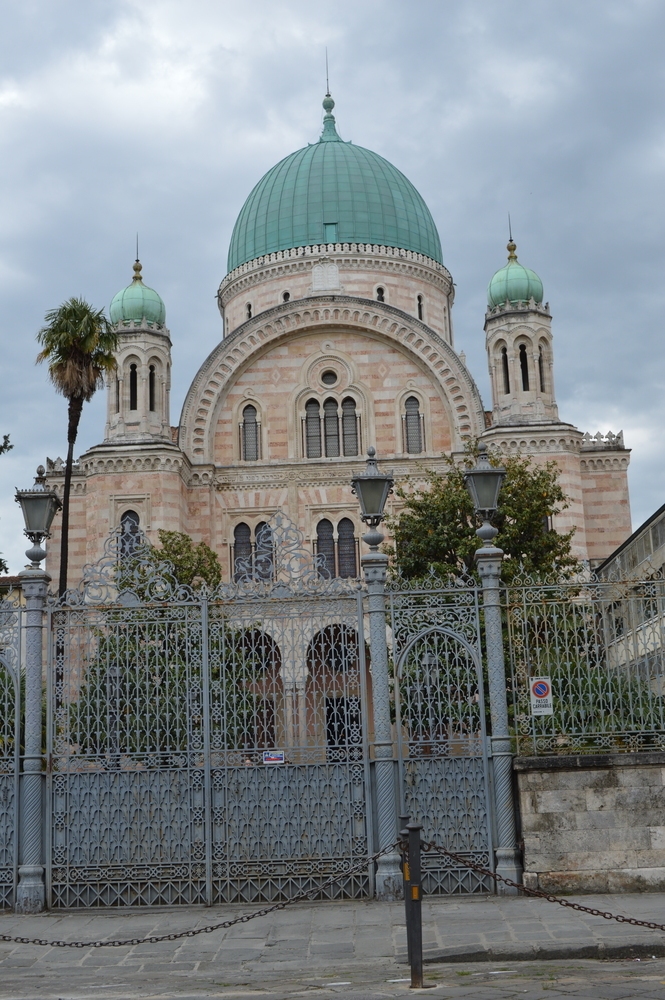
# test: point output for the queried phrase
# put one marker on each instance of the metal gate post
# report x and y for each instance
(508, 859)
(388, 875)
(30, 890)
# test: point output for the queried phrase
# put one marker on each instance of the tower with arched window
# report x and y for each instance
(138, 405)
(518, 330)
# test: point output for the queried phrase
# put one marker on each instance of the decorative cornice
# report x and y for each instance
(608, 461)
(544, 438)
(349, 254)
(286, 319)
(424, 272)
(307, 472)
(518, 309)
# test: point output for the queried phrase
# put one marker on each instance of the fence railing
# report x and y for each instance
(601, 647)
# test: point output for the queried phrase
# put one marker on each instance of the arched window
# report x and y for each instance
(524, 367)
(286, 296)
(346, 549)
(506, 374)
(312, 429)
(133, 388)
(117, 395)
(331, 428)
(325, 546)
(129, 527)
(263, 551)
(420, 307)
(380, 294)
(248, 309)
(541, 369)
(151, 388)
(242, 550)
(413, 438)
(349, 426)
(250, 434)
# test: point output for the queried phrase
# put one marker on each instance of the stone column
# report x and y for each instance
(508, 860)
(388, 875)
(30, 896)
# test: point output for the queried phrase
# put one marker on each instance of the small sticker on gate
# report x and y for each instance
(541, 696)
(273, 756)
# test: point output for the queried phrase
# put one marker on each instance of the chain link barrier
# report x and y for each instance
(540, 893)
(209, 928)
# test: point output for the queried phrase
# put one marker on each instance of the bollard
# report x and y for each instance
(404, 834)
(415, 909)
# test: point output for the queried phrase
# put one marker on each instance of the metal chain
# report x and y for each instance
(155, 938)
(540, 893)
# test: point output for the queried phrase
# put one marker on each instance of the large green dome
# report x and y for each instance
(514, 282)
(332, 192)
(137, 302)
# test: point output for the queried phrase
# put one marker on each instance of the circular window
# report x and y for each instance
(329, 377)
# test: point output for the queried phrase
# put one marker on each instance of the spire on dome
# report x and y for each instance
(329, 133)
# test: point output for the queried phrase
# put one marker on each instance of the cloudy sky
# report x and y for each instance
(160, 115)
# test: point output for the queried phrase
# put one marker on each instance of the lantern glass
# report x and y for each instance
(372, 489)
(39, 508)
(484, 482)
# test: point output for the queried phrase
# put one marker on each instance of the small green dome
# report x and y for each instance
(514, 283)
(137, 302)
(332, 192)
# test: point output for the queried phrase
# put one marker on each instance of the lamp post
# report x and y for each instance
(39, 507)
(372, 488)
(484, 484)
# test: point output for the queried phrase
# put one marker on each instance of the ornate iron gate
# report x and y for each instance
(206, 748)
(440, 715)
(10, 745)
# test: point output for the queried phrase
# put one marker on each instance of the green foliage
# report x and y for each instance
(193, 565)
(437, 526)
(4, 447)
(79, 344)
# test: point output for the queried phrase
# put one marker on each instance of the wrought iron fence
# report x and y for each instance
(601, 644)
(10, 744)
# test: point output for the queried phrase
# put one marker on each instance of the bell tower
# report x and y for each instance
(138, 398)
(518, 336)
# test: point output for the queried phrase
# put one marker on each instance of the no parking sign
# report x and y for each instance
(541, 696)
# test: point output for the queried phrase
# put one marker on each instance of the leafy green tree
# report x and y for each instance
(193, 565)
(436, 527)
(78, 344)
(4, 447)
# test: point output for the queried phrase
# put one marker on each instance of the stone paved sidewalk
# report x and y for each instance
(324, 941)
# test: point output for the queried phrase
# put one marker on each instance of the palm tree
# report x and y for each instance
(78, 343)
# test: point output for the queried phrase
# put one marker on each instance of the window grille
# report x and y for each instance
(251, 445)
(312, 429)
(331, 428)
(133, 388)
(129, 525)
(413, 426)
(349, 426)
(506, 373)
(151, 388)
(524, 366)
(242, 548)
(325, 546)
(346, 549)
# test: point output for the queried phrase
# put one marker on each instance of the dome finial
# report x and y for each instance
(511, 248)
(137, 268)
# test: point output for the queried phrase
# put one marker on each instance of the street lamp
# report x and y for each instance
(39, 507)
(484, 485)
(372, 489)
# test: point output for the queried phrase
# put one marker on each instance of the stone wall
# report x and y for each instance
(593, 823)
